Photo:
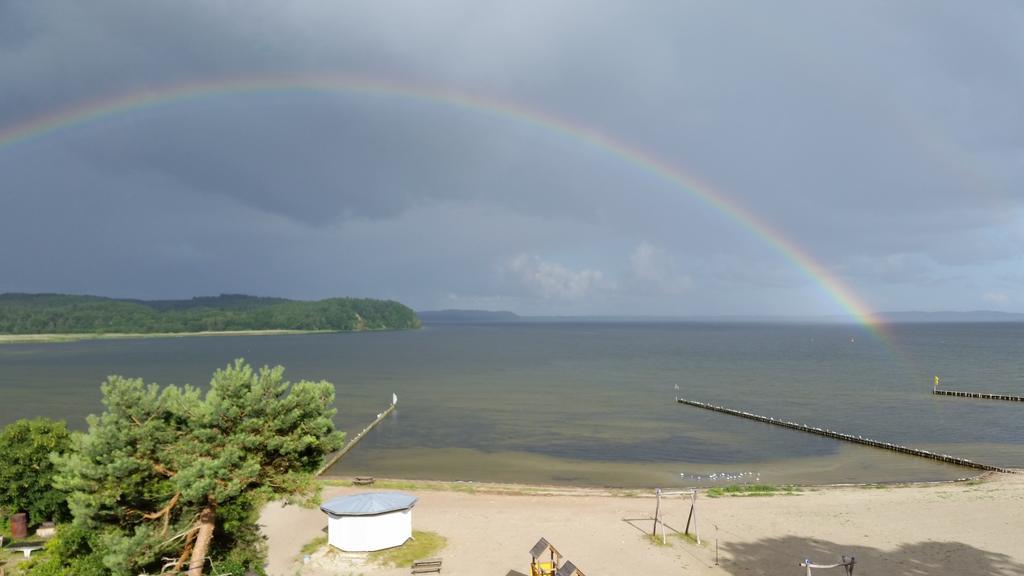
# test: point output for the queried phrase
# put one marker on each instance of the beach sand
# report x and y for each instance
(962, 528)
(75, 337)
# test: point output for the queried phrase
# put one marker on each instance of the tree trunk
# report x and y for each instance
(203, 538)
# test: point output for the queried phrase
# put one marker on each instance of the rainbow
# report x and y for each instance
(95, 110)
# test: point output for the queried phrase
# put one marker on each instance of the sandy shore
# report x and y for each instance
(42, 338)
(963, 528)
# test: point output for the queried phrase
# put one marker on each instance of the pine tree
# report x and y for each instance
(157, 468)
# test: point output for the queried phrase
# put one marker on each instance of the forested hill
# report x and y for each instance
(66, 314)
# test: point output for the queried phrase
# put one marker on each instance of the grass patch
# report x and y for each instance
(409, 485)
(656, 540)
(447, 486)
(16, 560)
(423, 545)
(313, 545)
(403, 485)
(751, 490)
(690, 538)
(623, 493)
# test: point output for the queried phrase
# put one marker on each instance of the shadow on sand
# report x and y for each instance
(781, 556)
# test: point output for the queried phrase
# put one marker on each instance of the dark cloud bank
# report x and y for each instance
(886, 140)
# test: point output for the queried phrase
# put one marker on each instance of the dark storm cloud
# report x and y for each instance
(886, 140)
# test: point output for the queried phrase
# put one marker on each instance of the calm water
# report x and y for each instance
(592, 403)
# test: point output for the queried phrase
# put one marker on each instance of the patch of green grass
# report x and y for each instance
(313, 545)
(622, 493)
(15, 560)
(448, 486)
(422, 545)
(656, 540)
(445, 487)
(404, 485)
(692, 539)
(751, 490)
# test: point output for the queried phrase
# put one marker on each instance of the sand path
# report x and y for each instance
(924, 530)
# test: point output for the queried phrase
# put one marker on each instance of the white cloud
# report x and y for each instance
(997, 297)
(552, 281)
(654, 268)
(894, 268)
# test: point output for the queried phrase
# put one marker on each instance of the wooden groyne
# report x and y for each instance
(981, 395)
(352, 443)
(847, 437)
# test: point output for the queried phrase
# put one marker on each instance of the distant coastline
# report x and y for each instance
(467, 316)
(894, 317)
(61, 317)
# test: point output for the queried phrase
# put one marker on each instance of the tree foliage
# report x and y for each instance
(173, 475)
(26, 471)
(70, 552)
(63, 314)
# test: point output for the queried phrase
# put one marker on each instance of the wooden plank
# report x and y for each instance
(426, 565)
(351, 444)
(979, 395)
(847, 437)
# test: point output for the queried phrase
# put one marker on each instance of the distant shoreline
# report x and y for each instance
(52, 338)
(521, 488)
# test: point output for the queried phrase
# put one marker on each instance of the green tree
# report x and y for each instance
(70, 552)
(170, 477)
(26, 471)
(58, 313)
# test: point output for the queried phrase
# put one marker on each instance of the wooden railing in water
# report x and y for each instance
(981, 395)
(352, 443)
(848, 437)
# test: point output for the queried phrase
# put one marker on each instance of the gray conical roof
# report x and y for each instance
(368, 504)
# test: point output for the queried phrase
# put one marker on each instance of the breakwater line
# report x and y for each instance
(980, 395)
(352, 443)
(847, 437)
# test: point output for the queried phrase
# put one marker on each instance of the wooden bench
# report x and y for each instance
(363, 480)
(426, 565)
(26, 548)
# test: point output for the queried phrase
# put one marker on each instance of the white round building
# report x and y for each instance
(368, 522)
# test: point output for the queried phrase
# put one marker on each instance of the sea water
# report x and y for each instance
(593, 403)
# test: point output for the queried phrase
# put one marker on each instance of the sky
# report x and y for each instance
(655, 158)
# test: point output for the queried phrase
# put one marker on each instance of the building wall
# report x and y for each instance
(368, 533)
